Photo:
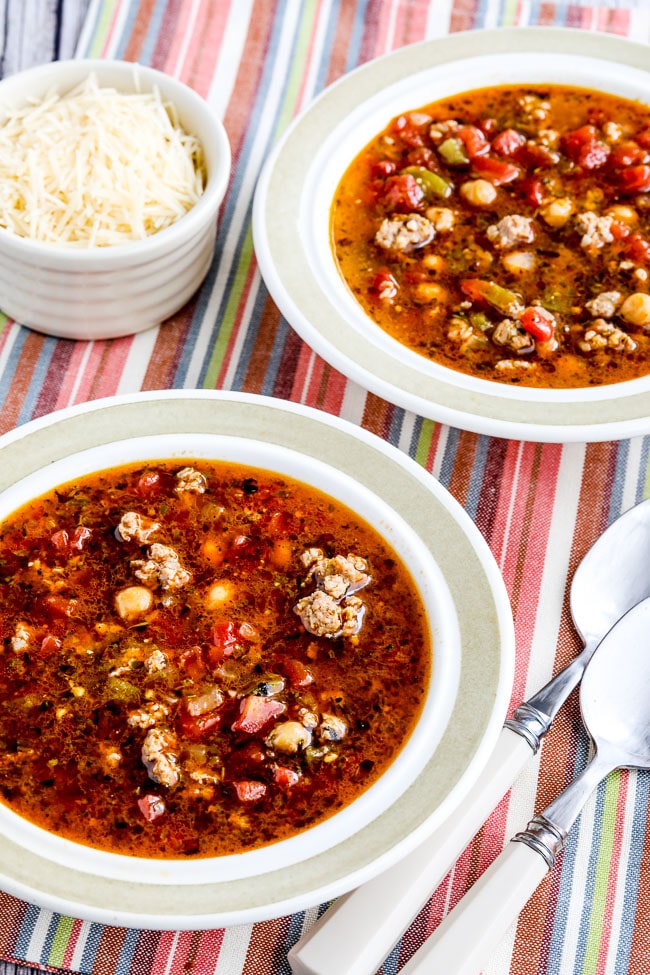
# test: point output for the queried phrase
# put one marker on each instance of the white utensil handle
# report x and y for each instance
(357, 933)
(464, 941)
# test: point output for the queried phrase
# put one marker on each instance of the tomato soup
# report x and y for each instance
(199, 658)
(505, 233)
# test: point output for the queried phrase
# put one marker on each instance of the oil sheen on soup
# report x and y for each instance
(199, 658)
(505, 233)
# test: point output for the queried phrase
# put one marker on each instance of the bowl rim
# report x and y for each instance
(214, 138)
(441, 625)
(432, 390)
(487, 670)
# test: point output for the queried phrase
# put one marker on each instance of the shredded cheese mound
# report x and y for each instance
(96, 167)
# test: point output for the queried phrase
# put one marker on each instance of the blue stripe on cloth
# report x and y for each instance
(123, 966)
(32, 915)
(476, 485)
(91, 947)
(9, 372)
(635, 855)
(259, 111)
(28, 407)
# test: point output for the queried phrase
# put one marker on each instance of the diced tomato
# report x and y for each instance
(246, 760)
(152, 807)
(585, 149)
(507, 142)
(49, 645)
(474, 141)
(538, 322)
(256, 713)
(488, 126)
(192, 663)
(643, 138)
(532, 154)
(278, 523)
(148, 483)
(247, 632)
(223, 640)
(285, 777)
(534, 191)
(618, 230)
(627, 154)
(297, 673)
(384, 285)
(250, 791)
(381, 168)
(403, 193)
(79, 538)
(635, 179)
(60, 540)
(58, 607)
(412, 128)
(198, 726)
(637, 249)
(495, 170)
(244, 547)
(422, 156)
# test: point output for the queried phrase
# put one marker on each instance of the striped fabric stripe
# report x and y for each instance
(259, 63)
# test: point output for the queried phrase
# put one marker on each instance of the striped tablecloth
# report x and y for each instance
(538, 506)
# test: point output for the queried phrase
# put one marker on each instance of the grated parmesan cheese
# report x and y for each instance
(96, 167)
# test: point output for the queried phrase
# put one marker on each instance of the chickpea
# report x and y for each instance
(133, 601)
(557, 212)
(478, 192)
(442, 218)
(519, 262)
(428, 291)
(636, 309)
(218, 594)
(434, 262)
(623, 214)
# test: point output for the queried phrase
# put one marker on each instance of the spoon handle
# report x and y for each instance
(464, 941)
(357, 933)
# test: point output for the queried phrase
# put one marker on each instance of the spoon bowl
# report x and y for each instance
(615, 706)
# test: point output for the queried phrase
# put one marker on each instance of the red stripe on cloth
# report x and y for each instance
(613, 21)
(614, 865)
(23, 377)
(464, 15)
(12, 913)
(267, 947)
(344, 31)
(463, 466)
(169, 28)
(142, 962)
(140, 29)
(68, 954)
(370, 42)
(411, 23)
(57, 370)
(207, 952)
(284, 381)
(170, 341)
(248, 81)
(205, 45)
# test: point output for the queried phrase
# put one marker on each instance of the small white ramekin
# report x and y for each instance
(107, 292)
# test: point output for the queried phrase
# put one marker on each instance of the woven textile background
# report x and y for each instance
(259, 63)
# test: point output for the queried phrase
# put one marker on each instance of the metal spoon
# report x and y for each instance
(356, 934)
(615, 705)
